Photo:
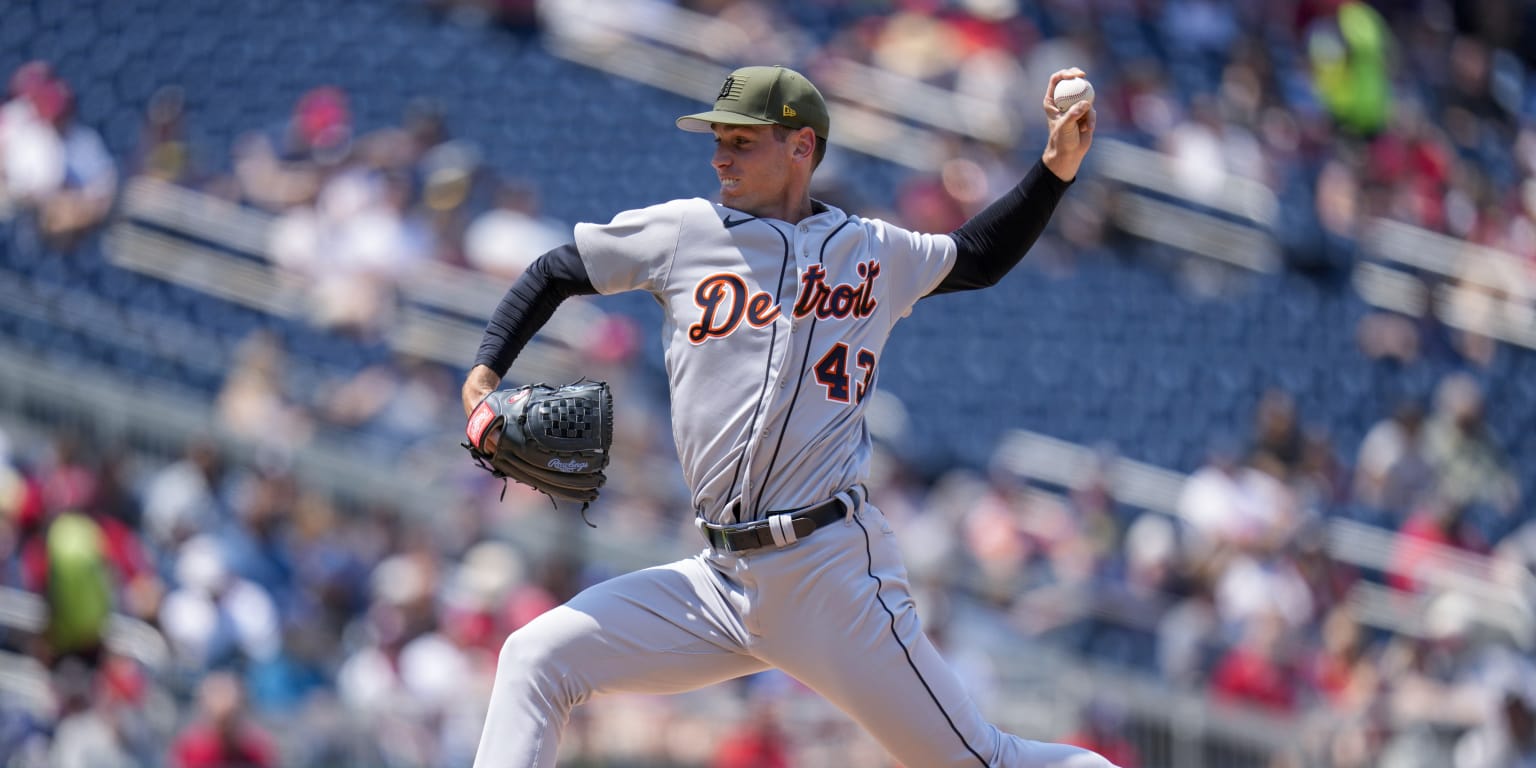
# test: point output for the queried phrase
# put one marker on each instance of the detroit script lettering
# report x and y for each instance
(724, 301)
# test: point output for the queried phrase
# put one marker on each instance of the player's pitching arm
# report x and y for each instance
(993, 241)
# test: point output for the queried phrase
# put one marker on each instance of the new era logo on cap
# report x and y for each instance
(764, 96)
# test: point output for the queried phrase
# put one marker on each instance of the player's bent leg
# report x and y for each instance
(883, 671)
(661, 630)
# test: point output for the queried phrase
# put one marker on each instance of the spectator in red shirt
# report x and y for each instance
(1253, 671)
(222, 736)
(1434, 525)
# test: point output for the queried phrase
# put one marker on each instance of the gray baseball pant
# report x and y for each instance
(833, 611)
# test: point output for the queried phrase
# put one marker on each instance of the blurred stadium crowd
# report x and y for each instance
(1350, 562)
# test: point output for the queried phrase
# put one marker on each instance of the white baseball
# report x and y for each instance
(1071, 91)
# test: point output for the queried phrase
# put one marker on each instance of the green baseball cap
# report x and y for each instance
(764, 96)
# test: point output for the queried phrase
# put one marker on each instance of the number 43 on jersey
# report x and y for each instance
(833, 373)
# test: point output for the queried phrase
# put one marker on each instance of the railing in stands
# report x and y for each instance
(219, 248)
(26, 612)
(1499, 597)
(1473, 287)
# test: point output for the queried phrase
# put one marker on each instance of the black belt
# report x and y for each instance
(792, 526)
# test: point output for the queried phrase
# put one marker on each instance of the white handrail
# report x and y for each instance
(28, 612)
(1031, 454)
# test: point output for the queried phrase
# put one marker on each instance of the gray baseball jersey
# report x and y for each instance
(773, 339)
(773, 336)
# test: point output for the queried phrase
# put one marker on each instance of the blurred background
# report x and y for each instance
(1234, 471)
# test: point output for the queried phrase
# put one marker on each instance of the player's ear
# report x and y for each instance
(805, 143)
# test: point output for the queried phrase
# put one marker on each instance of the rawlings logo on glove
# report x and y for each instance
(556, 440)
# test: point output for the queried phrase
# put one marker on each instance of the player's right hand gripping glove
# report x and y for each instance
(554, 439)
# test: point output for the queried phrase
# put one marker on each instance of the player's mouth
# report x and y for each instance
(729, 184)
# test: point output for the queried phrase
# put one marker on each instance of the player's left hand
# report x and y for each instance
(1070, 131)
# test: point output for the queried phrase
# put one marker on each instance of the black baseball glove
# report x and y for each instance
(554, 439)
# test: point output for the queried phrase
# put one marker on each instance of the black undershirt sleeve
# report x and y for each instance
(993, 241)
(529, 303)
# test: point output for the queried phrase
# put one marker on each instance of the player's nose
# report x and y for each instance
(721, 158)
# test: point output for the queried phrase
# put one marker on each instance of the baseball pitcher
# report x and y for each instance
(776, 312)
